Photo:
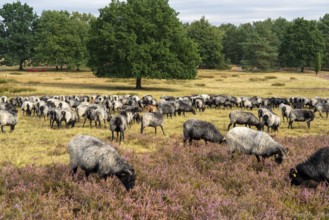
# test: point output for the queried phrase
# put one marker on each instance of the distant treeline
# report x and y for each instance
(149, 41)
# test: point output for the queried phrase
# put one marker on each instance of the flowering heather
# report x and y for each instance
(174, 182)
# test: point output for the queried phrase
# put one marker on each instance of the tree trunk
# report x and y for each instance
(21, 64)
(302, 69)
(138, 83)
(56, 68)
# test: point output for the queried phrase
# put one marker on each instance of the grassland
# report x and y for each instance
(173, 182)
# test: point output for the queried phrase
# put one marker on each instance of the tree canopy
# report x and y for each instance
(141, 39)
(16, 33)
(301, 43)
(209, 41)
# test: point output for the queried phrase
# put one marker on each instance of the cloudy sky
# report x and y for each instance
(215, 11)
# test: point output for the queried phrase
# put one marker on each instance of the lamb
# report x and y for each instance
(95, 156)
(152, 119)
(244, 118)
(118, 124)
(8, 118)
(271, 120)
(312, 171)
(322, 107)
(197, 130)
(301, 115)
(258, 143)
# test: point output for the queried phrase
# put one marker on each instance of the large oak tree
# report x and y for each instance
(141, 39)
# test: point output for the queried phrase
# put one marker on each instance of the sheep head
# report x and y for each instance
(127, 177)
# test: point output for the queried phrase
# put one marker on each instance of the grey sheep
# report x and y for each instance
(95, 156)
(118, 124)
(285, 110)
(197, 130)
(260, 144)
(243, 118)
(167, 108)
(152, 119)
(301, 115)
(271, 120)
(322, 107)
(8, 118)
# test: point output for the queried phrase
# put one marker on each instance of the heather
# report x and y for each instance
(175, 182)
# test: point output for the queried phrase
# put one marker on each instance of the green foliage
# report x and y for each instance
(318, 61)
(260, 46)
(61, 38)
(141, 39)
(16, 33)
(231, 43)
(323, 25)
(301, 43)
(209, 41)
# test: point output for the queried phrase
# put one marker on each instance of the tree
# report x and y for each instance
(323, 25)
(141, 39)
(209, 41)
(231, 43)
(318, 62)
(301, 43)
(16, 35)
(61, 38)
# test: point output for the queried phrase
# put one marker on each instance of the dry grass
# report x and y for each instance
(173, 181)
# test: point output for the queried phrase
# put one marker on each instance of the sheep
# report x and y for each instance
(184, 106)
(199, 104)
(271, 120)
(322, 107)
(151, 108)
(68, 115)
(301, 115)
(95, 156)
(258, 143)
(118, 124)
(8, 118)
(312, 171)
(152, 119)
(167, 108)
(262, 110)
(285, 110)
(243, 118)
(197, 129)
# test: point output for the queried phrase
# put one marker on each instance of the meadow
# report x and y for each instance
(173, 181)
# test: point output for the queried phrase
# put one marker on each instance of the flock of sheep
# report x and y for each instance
(120, 112)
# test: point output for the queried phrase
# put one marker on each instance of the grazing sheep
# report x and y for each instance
(68, 115)
(152, 119)
(167, 108)
(244, 118)
(301, 115)
(197, 130)
(260, 144)
(322, 107)
(271, 120)
(95, 156)
(312, 171)
(263, 110)
(118, 124)
(183, 106)
(285, 110)
(8, 118)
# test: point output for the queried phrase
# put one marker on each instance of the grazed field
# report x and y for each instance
(173, 182)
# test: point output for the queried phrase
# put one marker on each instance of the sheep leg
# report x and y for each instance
(112, 135)
(185, 139)
(12, 127)
(162, 130)
(190, 141)
(74, 170)
(155, 129)
(320, 115)
(2, 129)
(142, 128)
(229, 126)
(308, 124)
(84, 122)
(87, 174)
(258, 159)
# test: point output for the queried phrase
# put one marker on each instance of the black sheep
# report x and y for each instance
(312, 171)
(197, 130)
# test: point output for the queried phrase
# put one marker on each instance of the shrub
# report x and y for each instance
(278, 84)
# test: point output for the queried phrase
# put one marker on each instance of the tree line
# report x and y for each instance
(145, 39)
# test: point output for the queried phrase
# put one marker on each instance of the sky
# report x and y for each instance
(217, 12)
